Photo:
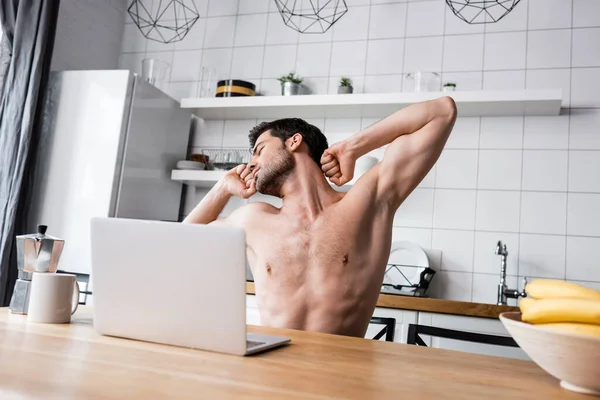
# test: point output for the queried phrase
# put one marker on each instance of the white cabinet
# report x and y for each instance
(403, 318)
(468, 324)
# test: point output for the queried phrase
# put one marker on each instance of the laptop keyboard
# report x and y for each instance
(250, 343)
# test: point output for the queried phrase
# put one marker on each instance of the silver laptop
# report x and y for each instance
(172, 283)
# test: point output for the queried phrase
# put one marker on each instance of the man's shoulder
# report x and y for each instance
(251, 211)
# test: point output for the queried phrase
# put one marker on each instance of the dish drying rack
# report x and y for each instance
(409, 286)
(225, 159)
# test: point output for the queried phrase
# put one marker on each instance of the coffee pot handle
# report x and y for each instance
(76, 298)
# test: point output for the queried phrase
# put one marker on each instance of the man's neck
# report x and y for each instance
(306, 192)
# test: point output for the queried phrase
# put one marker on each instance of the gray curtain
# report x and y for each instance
(29, 27)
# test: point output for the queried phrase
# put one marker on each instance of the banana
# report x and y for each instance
(579, 329)
(547, 311)
(553, 288)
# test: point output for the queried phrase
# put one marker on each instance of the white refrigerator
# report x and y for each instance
(109, 143)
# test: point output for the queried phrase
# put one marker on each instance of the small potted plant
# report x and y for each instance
(449, 87)
(345, 86)
(290, 84)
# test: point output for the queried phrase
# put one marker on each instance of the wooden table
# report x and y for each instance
(74, 362)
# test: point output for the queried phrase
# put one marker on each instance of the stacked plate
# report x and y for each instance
(186, 164)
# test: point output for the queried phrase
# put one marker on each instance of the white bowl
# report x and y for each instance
(571, 358)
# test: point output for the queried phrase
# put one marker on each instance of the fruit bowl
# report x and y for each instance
(572, 358)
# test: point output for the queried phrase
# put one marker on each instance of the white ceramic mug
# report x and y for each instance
(53, 299)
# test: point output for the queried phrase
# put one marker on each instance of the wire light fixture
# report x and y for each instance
(165, 21)
(481, 11)
(316, 16)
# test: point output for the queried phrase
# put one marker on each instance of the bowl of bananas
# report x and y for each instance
(559, 329)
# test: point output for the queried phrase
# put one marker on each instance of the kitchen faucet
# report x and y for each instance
(503, 292)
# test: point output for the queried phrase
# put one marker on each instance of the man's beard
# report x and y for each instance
(272, 177)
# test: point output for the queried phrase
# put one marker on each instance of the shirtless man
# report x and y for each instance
(319, 260)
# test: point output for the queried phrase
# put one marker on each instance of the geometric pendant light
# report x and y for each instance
(481, 11)
(167, 21)
(311, 16)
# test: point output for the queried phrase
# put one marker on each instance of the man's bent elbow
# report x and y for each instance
(447, 108)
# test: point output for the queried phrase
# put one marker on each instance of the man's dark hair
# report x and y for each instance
(286, 128)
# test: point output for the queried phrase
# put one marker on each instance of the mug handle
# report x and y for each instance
(76, 302)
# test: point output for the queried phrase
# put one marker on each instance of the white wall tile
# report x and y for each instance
(423, 54)
(383, 83)
(584, 125)
(387, 21)
(463, 53)
(313, 59)
(457, 169)
(543, 212)
(585, 86)
(166, 56)
(584, 171)
(270, 87)
(464, 80)
(485, 288)
(208, 133)
(253, 6)
(312, 85)
(417, 210)
(501, 133)
(586, 13)
(545, 170)
(497, 211)
(133, 40)
(251, 30)
(279, 60)
(425, 18)
(456, 26)
(235, 132)
(583, 214)
(487, 262)
(586, 47)
(505, 51)
(220, 59)
(465, 134)
(179, 90)
(542, 256)
(452, 285)
(156, 46)
(247, 63)
(516, 20)
(458, 249)
(186, 65)
(338, 129)
(549, 49)
(219, 32)
(499, 169)
(549, 14)
(383, 56)
(454, 209)
(582, 258)
(278, 32)
(420, 236)
(194, 40)
(546, 132)
(348, 58)
(222, 7)
(354, 25)
(551, 79)
(131, 61)
(504, 80)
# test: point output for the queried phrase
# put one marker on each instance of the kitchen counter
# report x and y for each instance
(441, 306)
(72, 361)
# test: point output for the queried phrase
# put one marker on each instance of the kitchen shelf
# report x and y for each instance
(207, 179)
(375, 105)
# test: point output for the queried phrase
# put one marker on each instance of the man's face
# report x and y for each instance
(273, 164)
